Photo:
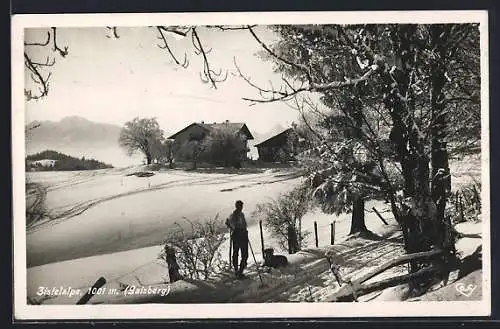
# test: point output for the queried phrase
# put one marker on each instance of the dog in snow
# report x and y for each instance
(272, 260)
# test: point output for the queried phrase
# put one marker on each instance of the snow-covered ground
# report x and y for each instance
(118, 213)
(306, 279)
(112, 225)
(307, 275)
(465, 171)
(119, 237)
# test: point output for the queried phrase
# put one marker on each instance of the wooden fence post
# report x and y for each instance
(261, 237)
(92, 291)
(460, 202)
(316, 233)
(332, 233)
(379, 215)
(173, 266)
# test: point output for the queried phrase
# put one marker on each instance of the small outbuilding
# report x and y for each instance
(281, 147)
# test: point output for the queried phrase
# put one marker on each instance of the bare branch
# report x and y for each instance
(338, 84)
(174, 30)
(289, 91)
(301, 67)
(48, 62)
(300, 108)
(37, 77)
(114, 32)
(41, 44)
(165, 45)
(62, 52)
(209, 75)
(229, 28)
(313, 87)
(35, 67)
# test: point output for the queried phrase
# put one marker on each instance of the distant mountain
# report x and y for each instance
(79, 137)
(75, 131)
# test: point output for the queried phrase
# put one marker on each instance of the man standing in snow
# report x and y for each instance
(239, 238)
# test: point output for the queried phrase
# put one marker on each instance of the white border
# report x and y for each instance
(185, 311)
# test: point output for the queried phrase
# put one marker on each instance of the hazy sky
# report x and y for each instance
(114, 80)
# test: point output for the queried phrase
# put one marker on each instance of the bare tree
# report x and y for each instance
(143, 135)
(165, 152)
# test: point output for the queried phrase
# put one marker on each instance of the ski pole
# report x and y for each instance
(256, 265)
(230, 248)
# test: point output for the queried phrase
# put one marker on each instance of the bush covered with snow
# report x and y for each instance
(198, 250)
(465, 203)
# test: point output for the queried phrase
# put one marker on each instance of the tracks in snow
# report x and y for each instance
(316, 274)
(64, 213)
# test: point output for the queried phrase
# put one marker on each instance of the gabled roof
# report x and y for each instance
(232, 126)
(272, 138)
(186, 128)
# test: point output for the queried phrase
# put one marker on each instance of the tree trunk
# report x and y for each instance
(299, 233)
(418, 210)
(293, 242)
(441, 179)
(148, 158)
(442, 236)
(358, 216)
(426, 178)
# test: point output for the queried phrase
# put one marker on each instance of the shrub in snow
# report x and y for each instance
(198, 248)
(36, 209)
(465, 204)
(283, 218)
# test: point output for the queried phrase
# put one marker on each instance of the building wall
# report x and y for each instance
(272, 150)
(268, 154)
(195, 131)
(199, 133)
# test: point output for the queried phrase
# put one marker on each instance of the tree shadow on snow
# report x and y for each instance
(367, 235)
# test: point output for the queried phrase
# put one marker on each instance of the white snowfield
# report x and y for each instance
(306, 278)
(101, 212)
(118, 232)
(111, 225)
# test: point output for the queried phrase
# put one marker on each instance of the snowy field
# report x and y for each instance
(124, 220)
(112, 225)
(106, 213)
(142, 267)
(115, 223)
